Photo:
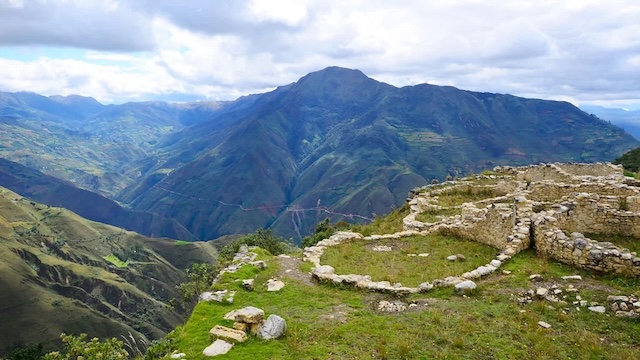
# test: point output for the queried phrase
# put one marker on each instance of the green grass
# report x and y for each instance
(182, 242)
(486, 325)
(456, 197)
(388, 224)
(630, 242)
(433, 215)
(356, 257)
(115, 261)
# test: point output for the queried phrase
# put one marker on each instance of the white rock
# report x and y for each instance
(598, 309)
(249, 315)
(544, 324)
(495, 263)
(218, 347)
(177, 355)
(423, 254)
(465, 286)
(274, 285)
(541, 292)
(572, 277)
(272, 328)
(225, 333)
(452, 258)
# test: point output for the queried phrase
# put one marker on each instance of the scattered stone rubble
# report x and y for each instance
(248, 320)
(549, 205)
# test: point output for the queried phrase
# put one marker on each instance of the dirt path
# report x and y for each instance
(290, 268)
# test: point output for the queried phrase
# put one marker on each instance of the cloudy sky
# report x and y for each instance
(583, 51)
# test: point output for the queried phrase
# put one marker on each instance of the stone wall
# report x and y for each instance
(577, 250)
(597, 169)
(587, 214)
(553, 191)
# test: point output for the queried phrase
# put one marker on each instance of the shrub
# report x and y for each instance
(78, 348)
(262, 238)
(323, 231)
(199, 279)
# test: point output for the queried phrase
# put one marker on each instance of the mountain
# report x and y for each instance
(339, 144)
(55, 192)
(63, 273)
(89, 144)
(626, 119)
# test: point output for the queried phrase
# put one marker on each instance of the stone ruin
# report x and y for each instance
(547, 206)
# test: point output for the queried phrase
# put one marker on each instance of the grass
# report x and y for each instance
(326, 321)
(388, 224)
(456, 197)
(357, 257)
(433, 215)
(630, 242)
(115, 261)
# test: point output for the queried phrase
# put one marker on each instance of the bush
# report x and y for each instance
(32, 352)
(323, 231)
(78, 348)
(262, 238)
(199, 279)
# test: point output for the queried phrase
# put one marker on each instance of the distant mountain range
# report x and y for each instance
(626, 119)
(333, 144)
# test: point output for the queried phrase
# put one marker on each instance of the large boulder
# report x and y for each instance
(272, 328)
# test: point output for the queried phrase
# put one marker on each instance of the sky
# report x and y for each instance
(583, 51)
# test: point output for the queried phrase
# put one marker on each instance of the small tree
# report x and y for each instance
(199, 279)
(78, 348)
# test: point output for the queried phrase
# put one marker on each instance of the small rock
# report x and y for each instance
(460, 257)
(452, 258)
(274, 285)
(541, 292)
(231, 315)
(465, 286)
(285, 256)
(391, 306)
(177, 355)
(247, 284)
(495, 263)
(412, 255)
(272, 328)
(249, 315)
(615, 307)
(598, 309)
(623, 306)
(423, 254)
(583, 303)
(382, 248)
(425, 286)
(544, 324)
(506, 272)
(225, 333)
(535, 277)
(218, 347)
(572, 277)
(611, 298)
(240, 326)
(260, 264)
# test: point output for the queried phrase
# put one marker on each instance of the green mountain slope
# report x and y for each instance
(338, 143)
(61, 272)
(55, 192)
(89, 144)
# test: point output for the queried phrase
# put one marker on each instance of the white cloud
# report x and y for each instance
(580, 50)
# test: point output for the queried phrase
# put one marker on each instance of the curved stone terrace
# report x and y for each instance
(546, 206)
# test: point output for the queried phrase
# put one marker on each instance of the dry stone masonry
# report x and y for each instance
(546, 206)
